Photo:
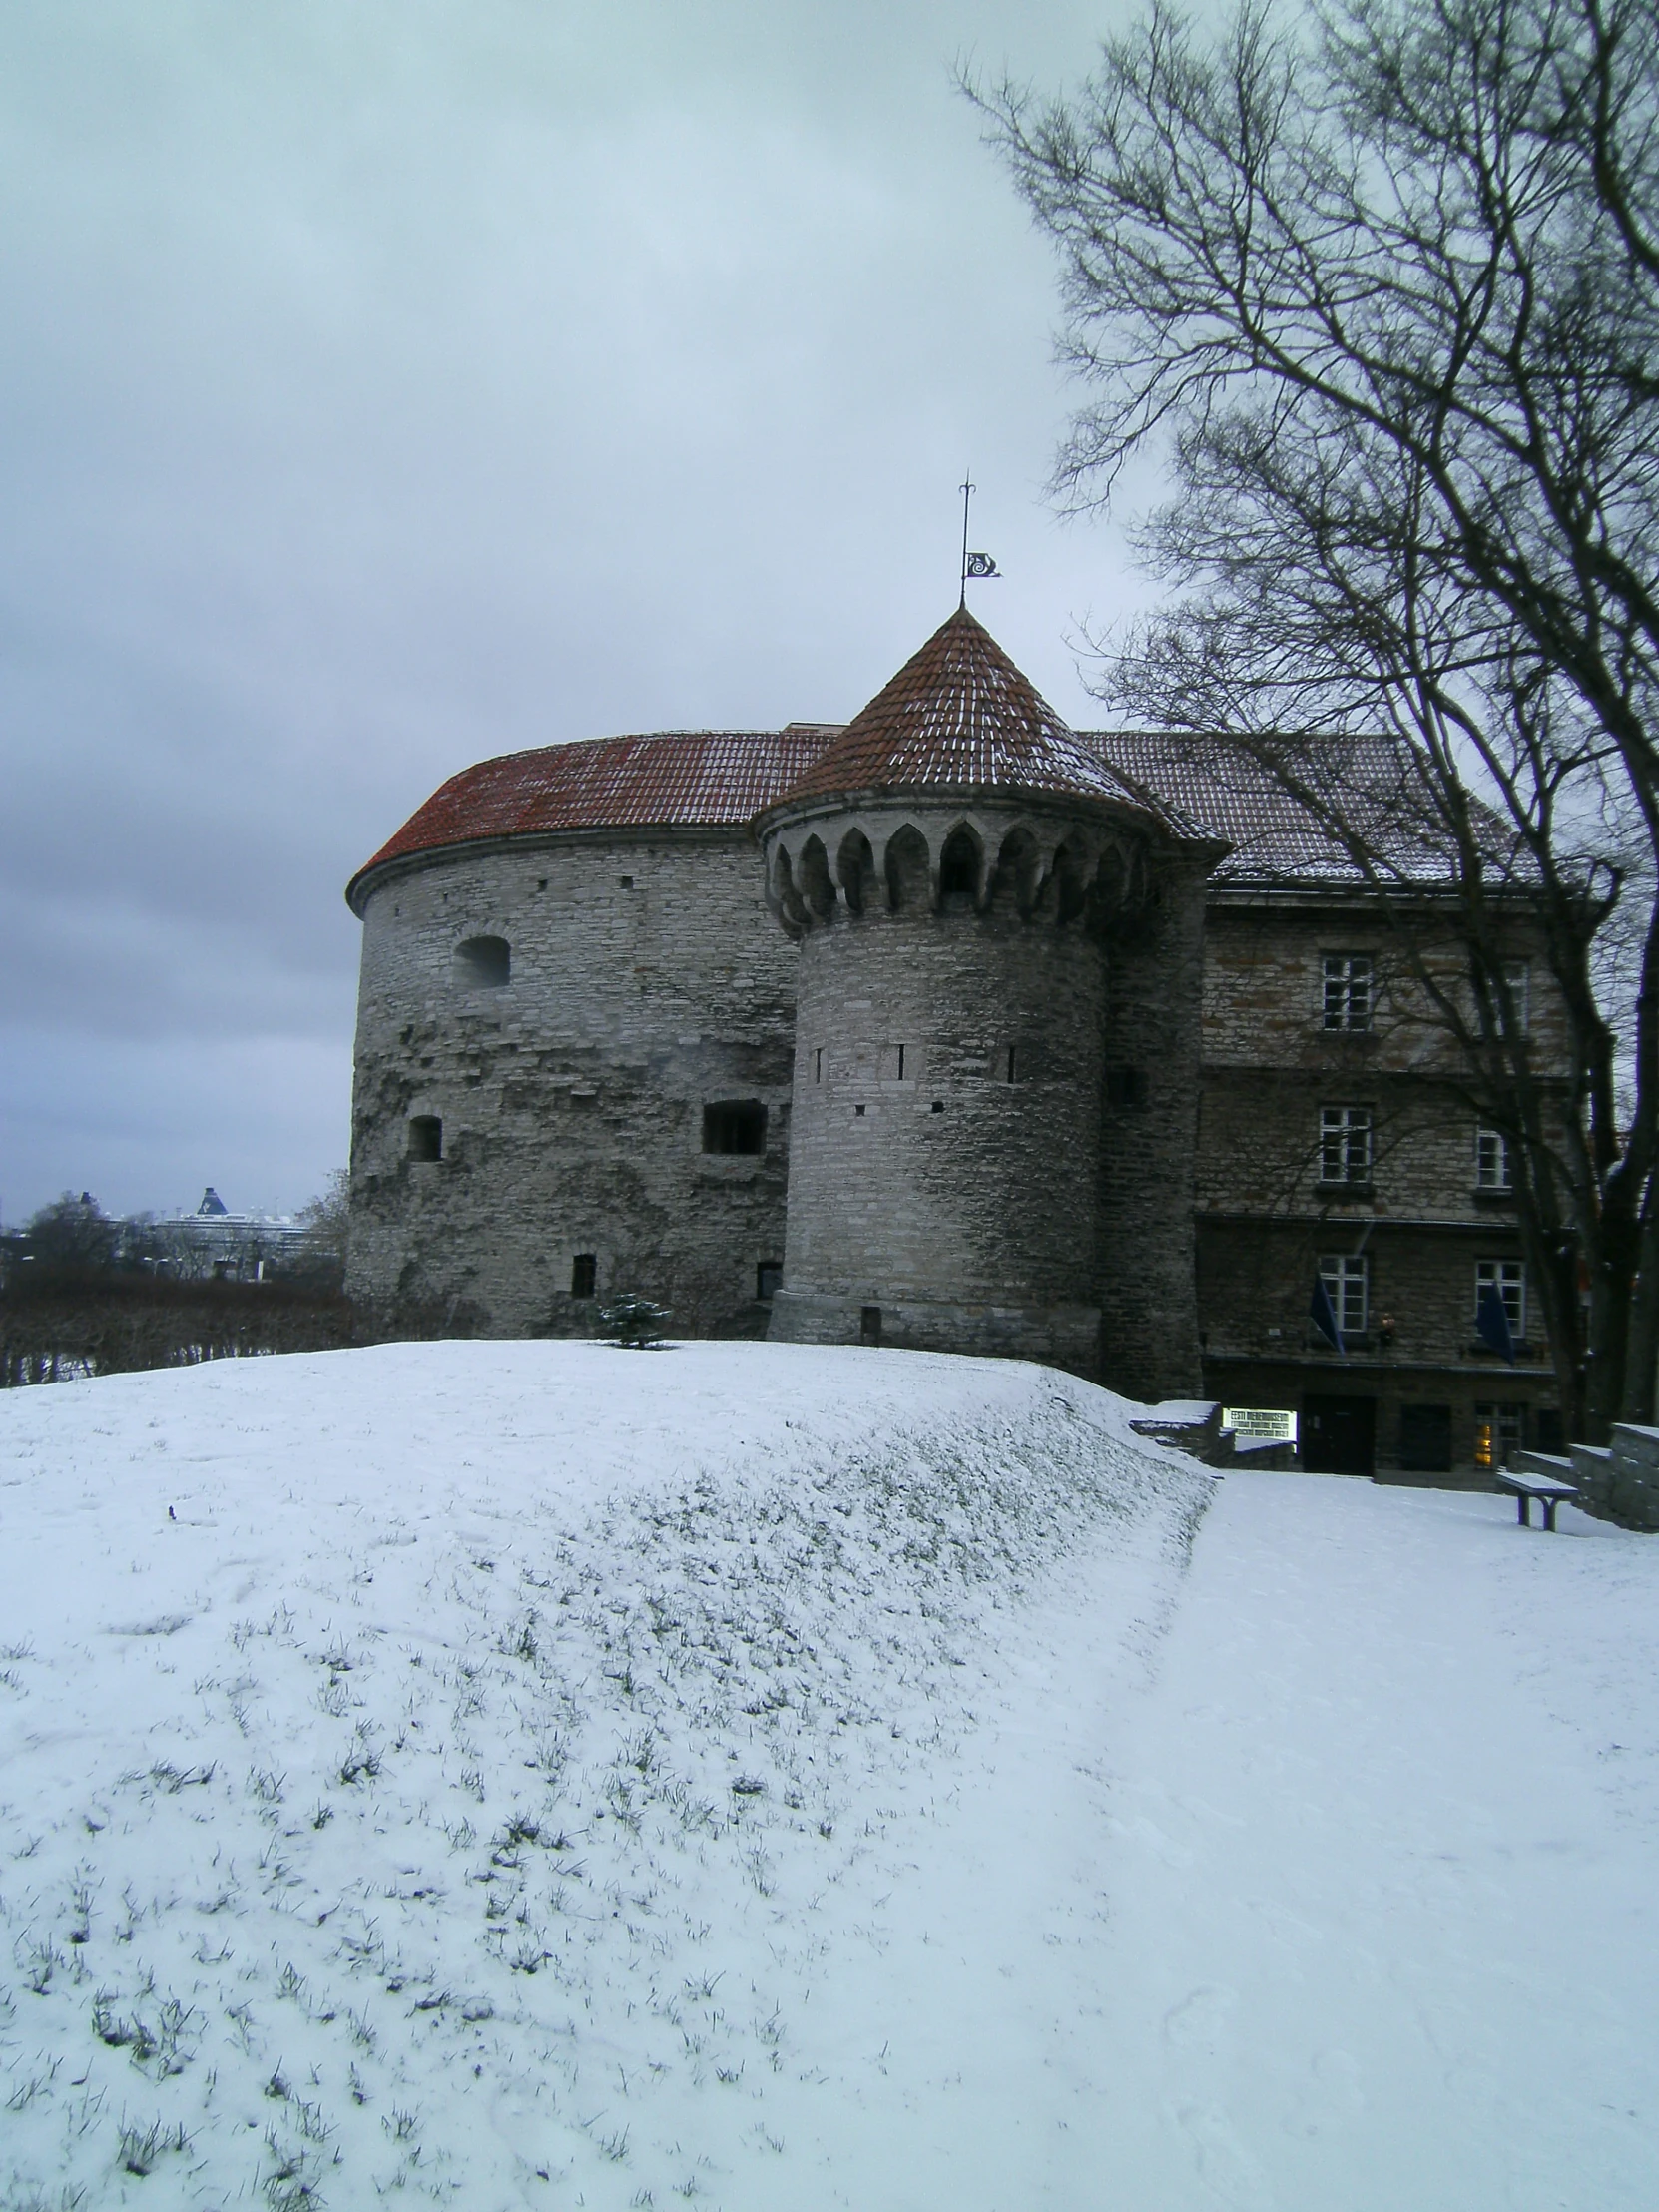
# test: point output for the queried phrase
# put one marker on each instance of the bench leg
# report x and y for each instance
(1548, 1504)
(1523, 1510)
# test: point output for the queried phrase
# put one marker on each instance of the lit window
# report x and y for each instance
(1499, 1433)
(1346, 1279)
(1508, 1278)
(1492, 1161)
(1348, 992)
(1345, 1144)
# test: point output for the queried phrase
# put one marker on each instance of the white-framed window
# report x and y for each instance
(1345, 1144)
(1348, 992)
(1518, 974)
(1346, 1279)
(1492, 1169)
(1499, 1433)
(1508, 1278)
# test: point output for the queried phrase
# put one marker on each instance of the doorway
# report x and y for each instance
(1339, 1436)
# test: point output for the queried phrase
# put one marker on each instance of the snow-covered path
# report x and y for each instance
(1383, 1865)
(785, 1780)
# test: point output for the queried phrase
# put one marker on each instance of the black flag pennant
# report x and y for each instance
(980, 564)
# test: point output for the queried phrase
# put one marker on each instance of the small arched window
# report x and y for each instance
(425, 1137)
(959, 866)
(483, 963)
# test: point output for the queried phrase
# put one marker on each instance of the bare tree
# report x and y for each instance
(1381, 288)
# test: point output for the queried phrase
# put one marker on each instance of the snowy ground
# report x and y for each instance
(759, 1777)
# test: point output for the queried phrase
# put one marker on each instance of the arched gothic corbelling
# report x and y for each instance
(961, 840)
(813, 879)
(850, 875)
(911, 871)
(857, 872)
(785, 900)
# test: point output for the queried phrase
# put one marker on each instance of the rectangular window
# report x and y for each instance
(734, 1125)
(817, 1065)
(584, 1275)
(1518, 975)
(1346, 1279)
(1508, 1278)
(1499, 1433)
(1492, 1161)
(425, 1137)
(769, 1277)
(1345, 1145)
(1126, 1087)
(869, 1325)
(1347, 990)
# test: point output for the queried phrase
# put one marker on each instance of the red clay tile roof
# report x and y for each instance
(680, 777)
(960, 716)
(1274, 839)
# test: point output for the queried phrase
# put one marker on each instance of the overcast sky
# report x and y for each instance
(388, 383)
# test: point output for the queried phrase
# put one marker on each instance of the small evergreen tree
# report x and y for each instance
(634, 1321)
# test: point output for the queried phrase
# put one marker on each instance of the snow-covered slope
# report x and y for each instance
(488, 1771)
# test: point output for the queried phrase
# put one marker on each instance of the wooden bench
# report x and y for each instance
(1548, 1492)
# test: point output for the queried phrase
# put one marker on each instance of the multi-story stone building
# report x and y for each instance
(952, 1028)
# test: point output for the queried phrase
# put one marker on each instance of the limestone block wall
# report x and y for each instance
(1149, 1132)
(924, 1180)
(645, 981)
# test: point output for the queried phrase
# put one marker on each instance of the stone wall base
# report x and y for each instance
(1057, 1335)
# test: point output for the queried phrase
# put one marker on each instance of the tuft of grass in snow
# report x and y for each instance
(704, 1692)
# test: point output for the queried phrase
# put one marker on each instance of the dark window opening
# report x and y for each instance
(869, 1325)
(938, 1105)
(584, 1275)
(483, 963)
(1013, 1062)
(734, 1125)
(769, 1277)
(902, 1063)
(627, 882)
(1126, 1086)
(1425, 1440)
(817, 1065)
(425, 1137)
(859, 1110)
(541, 882)
(959, 866)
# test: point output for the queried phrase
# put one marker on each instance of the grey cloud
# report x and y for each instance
(387, 385)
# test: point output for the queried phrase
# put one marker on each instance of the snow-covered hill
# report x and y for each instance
(500, 1773)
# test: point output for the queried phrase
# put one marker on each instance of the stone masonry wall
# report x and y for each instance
(1145, 1270)
(647, 980)
(961, 1204)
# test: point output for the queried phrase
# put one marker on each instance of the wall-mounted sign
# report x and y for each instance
(1258, 1424)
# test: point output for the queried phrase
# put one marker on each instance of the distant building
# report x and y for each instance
(229, 1246)
(952, 1028)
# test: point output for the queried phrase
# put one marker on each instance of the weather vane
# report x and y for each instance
(973, 564)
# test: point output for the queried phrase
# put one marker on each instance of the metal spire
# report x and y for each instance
(973, 564)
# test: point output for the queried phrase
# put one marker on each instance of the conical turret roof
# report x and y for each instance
(960, 716)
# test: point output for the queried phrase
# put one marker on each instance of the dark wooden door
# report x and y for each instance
(1339, 1436)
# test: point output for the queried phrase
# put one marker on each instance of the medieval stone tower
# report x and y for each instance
(951, 1104)
(999, 961)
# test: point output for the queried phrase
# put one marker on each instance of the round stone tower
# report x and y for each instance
(959, 870)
